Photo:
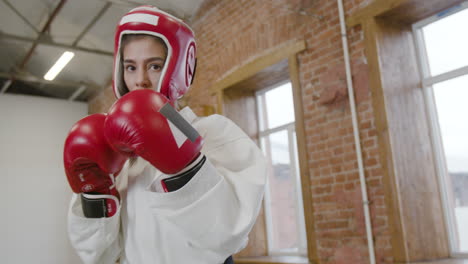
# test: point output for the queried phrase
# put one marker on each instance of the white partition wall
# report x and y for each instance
(34, 193)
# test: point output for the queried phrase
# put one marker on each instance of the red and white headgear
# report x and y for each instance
(179, 68)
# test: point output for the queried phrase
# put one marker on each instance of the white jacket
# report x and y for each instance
(204, 222)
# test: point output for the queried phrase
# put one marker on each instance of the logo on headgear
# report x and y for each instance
(190, 64)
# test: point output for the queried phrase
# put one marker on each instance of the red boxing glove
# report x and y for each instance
(144, 123)
(91, 166)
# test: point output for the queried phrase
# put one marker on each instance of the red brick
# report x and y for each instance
(264, 25)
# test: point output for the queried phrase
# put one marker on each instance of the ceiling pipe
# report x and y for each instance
(91, 24)
(5, 86)
(77, 93)
(36, 42)
(21, 16)
(134, 3)
(58, 45)
(41, 34)
(129, 3)
(34, 79)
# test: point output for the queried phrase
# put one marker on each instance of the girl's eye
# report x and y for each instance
(130, 68)
(155, 67)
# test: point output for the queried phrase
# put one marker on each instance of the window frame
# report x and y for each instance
(263, 134)
(427, 82)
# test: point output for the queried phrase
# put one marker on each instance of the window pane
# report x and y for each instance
(452, 108)
(446, 43)
(282, 202)
(279, 106)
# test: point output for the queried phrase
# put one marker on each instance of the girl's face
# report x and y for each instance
(143, 61)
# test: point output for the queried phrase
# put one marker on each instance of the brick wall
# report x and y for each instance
(232, 33)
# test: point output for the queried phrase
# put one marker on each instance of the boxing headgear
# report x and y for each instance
(179, 68)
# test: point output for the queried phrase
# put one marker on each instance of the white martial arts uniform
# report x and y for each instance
(204, 222)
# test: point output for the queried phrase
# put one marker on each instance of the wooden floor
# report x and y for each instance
(447, 261)
(302, 260)
(273, 260)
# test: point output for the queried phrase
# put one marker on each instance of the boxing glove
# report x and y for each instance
(144, 123)
(91, 166)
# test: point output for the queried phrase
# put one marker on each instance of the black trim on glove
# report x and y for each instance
(93, 208)
(176, 182)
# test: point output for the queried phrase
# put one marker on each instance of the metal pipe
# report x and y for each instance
(53, 44)
(77, 93)
(91, 24)
(33, 79)
(357, 141)
(44, 29)
(6, 85)
(21, 16)
(128, 3)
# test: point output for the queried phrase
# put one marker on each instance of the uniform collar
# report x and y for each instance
(188, 114)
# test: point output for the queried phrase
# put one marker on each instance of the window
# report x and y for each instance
(283, 197)
(442, 45)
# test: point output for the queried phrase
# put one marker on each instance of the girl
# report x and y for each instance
(193, 201)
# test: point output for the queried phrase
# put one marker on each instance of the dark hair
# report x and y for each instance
(127, 38)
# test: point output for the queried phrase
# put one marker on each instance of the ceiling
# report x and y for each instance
(34, 34)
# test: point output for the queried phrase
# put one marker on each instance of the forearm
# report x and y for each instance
(96, 240)
(213, 213)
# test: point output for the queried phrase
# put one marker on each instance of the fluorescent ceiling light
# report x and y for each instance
(59, 65)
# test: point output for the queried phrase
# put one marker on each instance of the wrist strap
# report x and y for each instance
(178, 181)
(99, 205)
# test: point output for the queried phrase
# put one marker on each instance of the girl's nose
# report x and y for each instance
(142, 80)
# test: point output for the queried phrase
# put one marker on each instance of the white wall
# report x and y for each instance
(34, 191)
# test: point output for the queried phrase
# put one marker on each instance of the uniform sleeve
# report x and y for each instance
(96, 240)
(219, 206)
(241, 167)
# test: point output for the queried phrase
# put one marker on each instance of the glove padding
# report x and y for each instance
(144, 123)
(90, 165)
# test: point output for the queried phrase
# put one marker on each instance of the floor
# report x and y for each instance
(300, 260)
(446, 261)
(273, 260)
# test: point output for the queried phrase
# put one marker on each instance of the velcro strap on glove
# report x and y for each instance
(178, 181)
(99, 205)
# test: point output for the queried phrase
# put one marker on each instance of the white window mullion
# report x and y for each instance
(300, 201)
(268, 218)
(275, 130)
(262, 120)
(445, 76)
(293, 173)
(421, 53)
(265, 142)
(266, 146)
(297, 184)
